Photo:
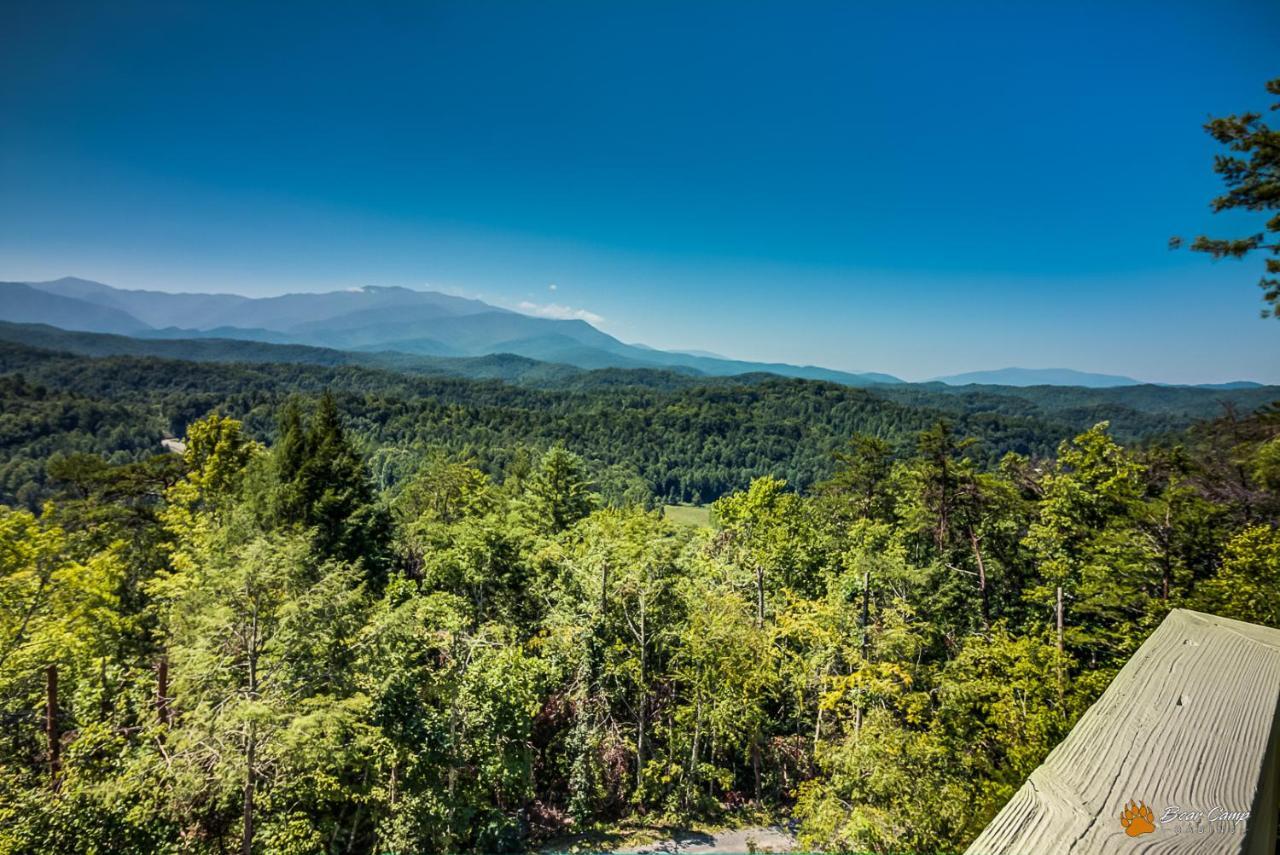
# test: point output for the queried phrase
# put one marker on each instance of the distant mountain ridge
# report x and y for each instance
(1038, 377)
(385, 319)
(1067, 377)
(22, 303)
(369, 319)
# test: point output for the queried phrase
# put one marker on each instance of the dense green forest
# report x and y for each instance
(677, 438)
(366, 611)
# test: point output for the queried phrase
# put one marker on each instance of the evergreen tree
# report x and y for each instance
(558, 493)
(325, 488)
(1251, 174)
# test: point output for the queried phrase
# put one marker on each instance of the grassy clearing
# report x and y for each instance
(694, 515)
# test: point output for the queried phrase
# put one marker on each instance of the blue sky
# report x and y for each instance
(914, 188)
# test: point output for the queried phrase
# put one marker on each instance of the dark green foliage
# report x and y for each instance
(323, 485)
(689, 442)
(1251, 173)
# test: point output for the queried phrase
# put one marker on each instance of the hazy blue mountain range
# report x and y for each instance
(397, 325)
(21, 303)
(370, 319)
(1037, 377)
(506, 367)
(1063, 377)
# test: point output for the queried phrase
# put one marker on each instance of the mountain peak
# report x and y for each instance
(374, 318)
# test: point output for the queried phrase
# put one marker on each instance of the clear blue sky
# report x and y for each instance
(914, 188)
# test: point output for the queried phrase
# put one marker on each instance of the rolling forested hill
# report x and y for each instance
(412, 612)
(684, 439)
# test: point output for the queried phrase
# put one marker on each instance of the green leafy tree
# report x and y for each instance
(1248, 585)
(258, 641)
(1099, 578)
(558, 493)
(862, 476)
(764, 525)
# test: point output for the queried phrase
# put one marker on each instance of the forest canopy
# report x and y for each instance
(368, 612)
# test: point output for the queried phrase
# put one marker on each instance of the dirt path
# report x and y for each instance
(774, 838)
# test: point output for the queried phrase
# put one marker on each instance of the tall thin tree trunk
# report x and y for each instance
(51, 724)
(251, 749)
(1058, 610)
(711, 756)
(755, 762)
(866, 613)
(982, 581)
(759, 595)
(246, 845)
(1060, 644)
(1166, 570)
(162, 690)
(643, 706)
(865, 645)
(693, 750)
(817, 724)
(604, 586)
(944, 504)
(355, 822)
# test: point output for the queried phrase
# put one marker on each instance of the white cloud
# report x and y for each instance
(559, 312)
(551, 287)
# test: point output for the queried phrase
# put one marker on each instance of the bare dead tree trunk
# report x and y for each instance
(51, 724)
(817, 725)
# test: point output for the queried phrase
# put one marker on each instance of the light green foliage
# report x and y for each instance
(925, 774)
(767, 540)
(257, 643)
(1248, 585)
(62, 615)
(730, 669)
(1266, 465)
(52, 610)
(1087, 542)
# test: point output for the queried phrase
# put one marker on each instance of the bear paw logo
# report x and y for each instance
(1137, 819)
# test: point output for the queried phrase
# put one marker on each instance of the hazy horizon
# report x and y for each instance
(693, 350)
